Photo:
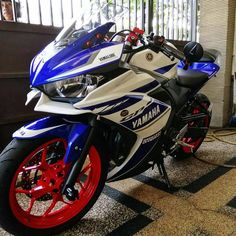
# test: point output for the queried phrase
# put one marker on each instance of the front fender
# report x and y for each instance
(74, 133)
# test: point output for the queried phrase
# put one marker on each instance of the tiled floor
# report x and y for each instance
(202, 203)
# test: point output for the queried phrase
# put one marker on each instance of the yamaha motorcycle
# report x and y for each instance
(120, 104)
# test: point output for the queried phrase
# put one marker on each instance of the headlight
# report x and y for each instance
(77, 87)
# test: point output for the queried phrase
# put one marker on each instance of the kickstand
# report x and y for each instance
(163, 173)
(160, 170)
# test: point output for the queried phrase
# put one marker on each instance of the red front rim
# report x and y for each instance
(195, 142)
(35, 196)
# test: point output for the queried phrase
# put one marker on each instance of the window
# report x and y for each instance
(175, 19)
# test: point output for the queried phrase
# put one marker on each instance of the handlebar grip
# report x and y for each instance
(173, 51)
(159, 43)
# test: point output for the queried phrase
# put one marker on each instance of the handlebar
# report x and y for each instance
(192, 52)
(171, 50)
(159, 44)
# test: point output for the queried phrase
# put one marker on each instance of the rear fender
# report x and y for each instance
(74, 133)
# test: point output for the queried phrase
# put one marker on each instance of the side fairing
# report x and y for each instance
(124, 101)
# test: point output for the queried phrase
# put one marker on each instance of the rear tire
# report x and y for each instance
(202, 103)
(29, 176)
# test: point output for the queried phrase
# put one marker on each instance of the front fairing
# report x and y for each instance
(55, 62)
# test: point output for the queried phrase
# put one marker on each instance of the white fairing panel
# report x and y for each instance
(23, 132)
(125, 83)
(46, 105)
(158, 62)
(123, 100)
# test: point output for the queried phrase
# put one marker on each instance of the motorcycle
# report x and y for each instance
(119, 106)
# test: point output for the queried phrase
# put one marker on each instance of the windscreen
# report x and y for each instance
(92, 15)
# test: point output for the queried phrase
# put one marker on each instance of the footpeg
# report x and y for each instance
(183, 144)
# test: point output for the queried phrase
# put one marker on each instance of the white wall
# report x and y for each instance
(217, 32)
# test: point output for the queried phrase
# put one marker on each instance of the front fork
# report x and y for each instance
(76, 166)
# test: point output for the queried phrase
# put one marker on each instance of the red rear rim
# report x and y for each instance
(196, 142)
(35, 197)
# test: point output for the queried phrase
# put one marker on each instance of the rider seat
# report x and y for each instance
(191, 78)
(210, 55)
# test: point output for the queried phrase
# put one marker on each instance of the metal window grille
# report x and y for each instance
(175, 19)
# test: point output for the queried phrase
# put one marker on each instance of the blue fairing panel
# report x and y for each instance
(209, 68)
(74, 133)
(165, 69)
(53, 60)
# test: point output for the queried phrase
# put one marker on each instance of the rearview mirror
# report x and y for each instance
(193, 51)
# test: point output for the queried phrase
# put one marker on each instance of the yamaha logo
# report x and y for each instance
(124, 113)
(147, 117)
(149, 56)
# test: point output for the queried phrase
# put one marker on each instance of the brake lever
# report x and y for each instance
(141, 39)
(172, 58)
(159, 40)
(150, 36)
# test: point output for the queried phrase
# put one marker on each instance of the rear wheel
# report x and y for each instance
(31, 176)
(201, 105)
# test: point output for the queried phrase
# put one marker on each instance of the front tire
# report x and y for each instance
(31, 175)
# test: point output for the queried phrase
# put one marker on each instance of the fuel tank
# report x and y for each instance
(157, 62)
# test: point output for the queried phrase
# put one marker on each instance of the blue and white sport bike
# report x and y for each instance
(120, 104)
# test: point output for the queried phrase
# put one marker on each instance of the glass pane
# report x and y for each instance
(46, 12)
(56, 10)
(34, 12)
(23, 12)
(67, 11)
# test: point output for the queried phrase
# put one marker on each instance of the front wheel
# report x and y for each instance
(32, 173)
